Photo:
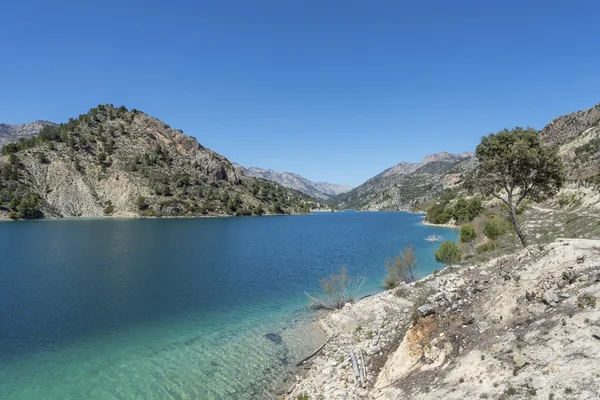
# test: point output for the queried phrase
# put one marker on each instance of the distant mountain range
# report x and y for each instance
(407, 185)
(13, 133)
(318, 190)
(149, 171)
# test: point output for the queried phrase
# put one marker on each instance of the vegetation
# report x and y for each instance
(457, 209)
(337, 289)
(514, 166)
(467, 234)
(112, 142)
(448, 253)
(494, 228)
(401, 269)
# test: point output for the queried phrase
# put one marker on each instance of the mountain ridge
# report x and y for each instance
(13, 133)
(319, 190)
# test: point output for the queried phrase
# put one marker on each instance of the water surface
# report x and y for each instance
(176, 308)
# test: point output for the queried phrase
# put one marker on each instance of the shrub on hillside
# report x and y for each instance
(337, 289)
(448, 253)
(494, 228)
(467, 234)
(401, 269)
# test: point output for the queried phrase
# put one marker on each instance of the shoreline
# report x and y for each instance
(465, 326)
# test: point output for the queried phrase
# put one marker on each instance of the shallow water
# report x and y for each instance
(176, 308)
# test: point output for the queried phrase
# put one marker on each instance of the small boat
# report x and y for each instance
(434, 238)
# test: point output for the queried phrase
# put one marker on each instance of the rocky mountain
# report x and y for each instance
(407, 185)
(318, 190)
(13, 133)
(112, 161)
(578, 137)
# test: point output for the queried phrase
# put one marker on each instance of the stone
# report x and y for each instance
(536, 383)
(519, 360)
(425, 310)
(580, 259)
(550, 297)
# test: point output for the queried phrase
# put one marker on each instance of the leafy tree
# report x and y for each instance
(29, 207)
(467, 234)
(401, 269)
(514, 165)
(448, 253)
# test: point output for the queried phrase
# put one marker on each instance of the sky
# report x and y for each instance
(335, 91)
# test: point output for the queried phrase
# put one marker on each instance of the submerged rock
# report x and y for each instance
(274, 337)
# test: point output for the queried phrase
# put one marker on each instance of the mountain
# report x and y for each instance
(318, 190)
(111, 161)
(407, 185)
(578, 137)
(13, 133)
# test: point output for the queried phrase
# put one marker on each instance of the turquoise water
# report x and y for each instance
(176, 308)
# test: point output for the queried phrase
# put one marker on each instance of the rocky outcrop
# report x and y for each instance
(13, 133)
(522, 325)
(318, 190)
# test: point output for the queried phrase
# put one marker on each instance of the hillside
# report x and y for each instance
(578, 137)
(318, 190)
(116, 162)
(408, 185)
(14, 133)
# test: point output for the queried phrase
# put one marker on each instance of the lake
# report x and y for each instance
(208, 308)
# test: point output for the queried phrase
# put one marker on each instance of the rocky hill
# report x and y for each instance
(578, 137)
(13, 133)
(318, 190)
(112, 161)
(407, 185)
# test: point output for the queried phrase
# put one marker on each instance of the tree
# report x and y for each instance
(401, 269)
(513, 166)
(448, 253)
(467, 234)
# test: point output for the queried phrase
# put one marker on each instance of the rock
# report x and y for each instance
(580, 259)
(530, 295)
(536, 383)
(550, 297)
(274, 337)
(570, 276)
(425, 310)
(519, 360)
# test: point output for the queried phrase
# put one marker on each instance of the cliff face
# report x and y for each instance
(318, 190)
(112, 161)
(407, 185)
(13, 133)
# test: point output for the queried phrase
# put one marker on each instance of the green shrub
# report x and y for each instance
(109, 209)
(467, 234)
(448, 253)
(494, 228)
(401, 269)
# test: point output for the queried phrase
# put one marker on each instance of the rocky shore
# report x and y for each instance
(525, 325)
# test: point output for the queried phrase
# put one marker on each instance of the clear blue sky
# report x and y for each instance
(332, 90)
